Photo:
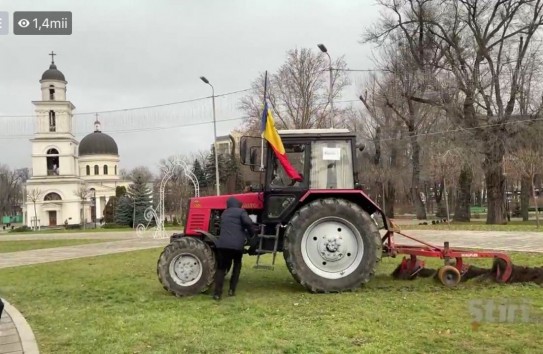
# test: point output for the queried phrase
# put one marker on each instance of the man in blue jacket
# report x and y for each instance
(235, 224)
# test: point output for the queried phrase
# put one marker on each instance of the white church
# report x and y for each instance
(71, 182)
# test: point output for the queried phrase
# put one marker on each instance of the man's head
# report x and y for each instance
(233, 203)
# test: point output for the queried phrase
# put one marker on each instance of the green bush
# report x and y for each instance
(23, 228)
(175, 222)
(73, 227)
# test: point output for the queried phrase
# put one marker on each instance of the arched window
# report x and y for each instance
(105, 169)
(115, 170)
(51, 92)
(52, 196)
(52, 162)
(96, 170)
(52, 121)
(88, 170)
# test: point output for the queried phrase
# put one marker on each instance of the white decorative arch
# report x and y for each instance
(159, 214)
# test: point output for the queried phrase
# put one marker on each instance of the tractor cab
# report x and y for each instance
(322, 157)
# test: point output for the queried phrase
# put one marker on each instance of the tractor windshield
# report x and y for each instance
(331, 165)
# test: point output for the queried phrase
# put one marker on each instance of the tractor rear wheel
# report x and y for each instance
(186, 266)
(332, 245)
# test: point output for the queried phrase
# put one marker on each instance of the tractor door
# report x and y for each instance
(281, 194)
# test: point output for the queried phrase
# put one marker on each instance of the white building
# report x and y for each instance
(71, 181)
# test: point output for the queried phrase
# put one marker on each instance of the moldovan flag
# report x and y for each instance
(272, 136)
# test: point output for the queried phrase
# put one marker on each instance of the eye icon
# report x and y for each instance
(23, 23)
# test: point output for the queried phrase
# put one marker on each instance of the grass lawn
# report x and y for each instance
(115, 304)
(475, 226)
(14, 246)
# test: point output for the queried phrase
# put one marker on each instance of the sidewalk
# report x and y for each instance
(15, 259)
(517, 241)
(16, 336)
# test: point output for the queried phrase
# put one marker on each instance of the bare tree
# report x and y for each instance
(446, 165)
(83, 193)
(526, 162)
(484, 47)
(142, 172)
(298, 92)
(10, 187)
(34, 195)
(385, 132)
(178, 188)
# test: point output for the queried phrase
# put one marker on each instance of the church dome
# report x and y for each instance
(53, 74)
(98, 143)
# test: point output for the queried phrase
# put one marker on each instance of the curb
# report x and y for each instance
(28, 341)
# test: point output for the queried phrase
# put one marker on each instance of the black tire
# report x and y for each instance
(326, 216)
(196, 268)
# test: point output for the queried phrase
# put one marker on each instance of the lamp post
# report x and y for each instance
(330, 96)
(217, 184)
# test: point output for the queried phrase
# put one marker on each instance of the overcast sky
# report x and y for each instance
(125, 54)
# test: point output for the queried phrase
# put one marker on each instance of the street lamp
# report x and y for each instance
(330, 97)
(217, 185)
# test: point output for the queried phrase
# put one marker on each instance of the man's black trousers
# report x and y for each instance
(225, 258)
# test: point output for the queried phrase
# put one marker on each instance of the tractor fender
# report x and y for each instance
(208, 236)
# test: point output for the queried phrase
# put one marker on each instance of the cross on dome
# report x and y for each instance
(52, 54)
(97, 124)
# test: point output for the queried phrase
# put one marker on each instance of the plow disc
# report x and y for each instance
(519, 274)
(454, 269)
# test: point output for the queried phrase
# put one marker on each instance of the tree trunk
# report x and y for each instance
(446, 202)
(535, 203)
(415, 181)
(390, 196)
(495, 182)
(35, 217)
(525, 198)
(461, 211)
(439, 192)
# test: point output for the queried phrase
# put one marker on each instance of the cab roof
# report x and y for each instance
(308, 133)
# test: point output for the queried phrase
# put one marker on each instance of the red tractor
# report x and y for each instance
(325, 225)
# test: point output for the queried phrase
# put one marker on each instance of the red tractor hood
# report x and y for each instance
(251, 201)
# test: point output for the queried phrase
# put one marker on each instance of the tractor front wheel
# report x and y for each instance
(332, 245)
(186, 266)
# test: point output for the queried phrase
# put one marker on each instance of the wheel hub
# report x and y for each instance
(332, 247)
(186, 269)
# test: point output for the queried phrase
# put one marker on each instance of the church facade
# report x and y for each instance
(71, 182)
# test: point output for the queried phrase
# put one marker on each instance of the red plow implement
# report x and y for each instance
(455, 268)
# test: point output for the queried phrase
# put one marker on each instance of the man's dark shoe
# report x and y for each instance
(216, 297)
(231, 292)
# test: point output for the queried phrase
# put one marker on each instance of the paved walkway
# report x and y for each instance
(492, 240)
(14, 259)
(16, 336)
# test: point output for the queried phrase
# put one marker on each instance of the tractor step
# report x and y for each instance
(260, 251)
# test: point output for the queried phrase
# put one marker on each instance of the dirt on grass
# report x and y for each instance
(519, 274)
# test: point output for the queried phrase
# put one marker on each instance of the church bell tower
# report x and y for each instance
(54, 148)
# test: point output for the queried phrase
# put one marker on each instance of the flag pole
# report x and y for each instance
(262, 138)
